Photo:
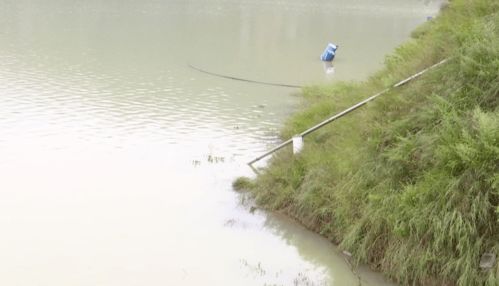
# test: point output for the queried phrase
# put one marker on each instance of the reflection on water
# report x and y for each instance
(329, 68)
(117, 158)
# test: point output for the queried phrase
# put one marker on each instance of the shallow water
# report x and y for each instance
(117, 158)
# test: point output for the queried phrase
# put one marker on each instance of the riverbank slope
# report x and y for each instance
(410, 183)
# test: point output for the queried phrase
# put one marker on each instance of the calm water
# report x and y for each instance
(116, 158)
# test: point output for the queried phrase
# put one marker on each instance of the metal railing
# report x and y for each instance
(344, 112)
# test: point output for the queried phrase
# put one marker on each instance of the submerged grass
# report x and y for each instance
(410, 183)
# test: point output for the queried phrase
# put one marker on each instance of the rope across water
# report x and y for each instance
(243, 79)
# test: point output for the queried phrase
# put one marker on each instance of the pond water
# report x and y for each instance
(117, 158)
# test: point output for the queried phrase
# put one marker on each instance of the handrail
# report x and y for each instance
(345, 112)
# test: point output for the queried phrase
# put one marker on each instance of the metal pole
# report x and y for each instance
(420, 73)
(280, 146)
(345, 112)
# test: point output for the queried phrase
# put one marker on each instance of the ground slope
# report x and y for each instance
(409, 184)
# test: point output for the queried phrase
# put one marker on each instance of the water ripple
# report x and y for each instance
(75, 107)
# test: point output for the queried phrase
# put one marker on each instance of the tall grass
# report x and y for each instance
(409, 184)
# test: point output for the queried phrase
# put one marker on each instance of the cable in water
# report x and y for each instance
(243, 79)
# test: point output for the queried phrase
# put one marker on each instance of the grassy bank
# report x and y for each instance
(410, 183)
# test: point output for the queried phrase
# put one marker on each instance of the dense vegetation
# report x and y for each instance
(410, 183)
